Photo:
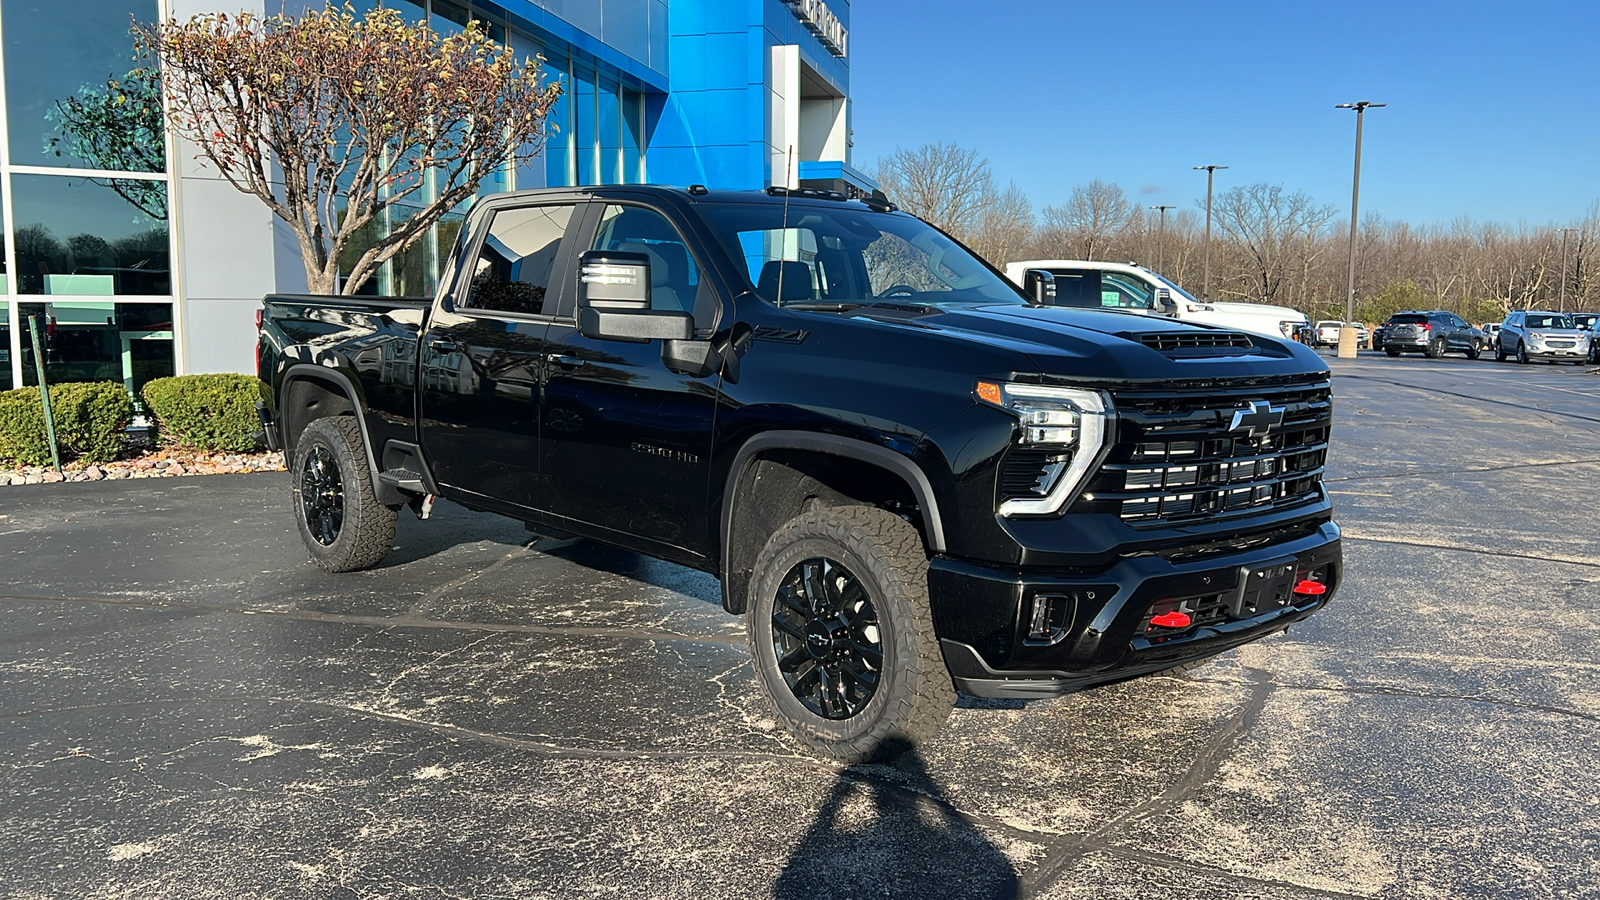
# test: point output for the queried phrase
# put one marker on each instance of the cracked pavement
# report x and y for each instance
(190, 709)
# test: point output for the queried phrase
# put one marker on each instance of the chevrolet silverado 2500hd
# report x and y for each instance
(911, 480)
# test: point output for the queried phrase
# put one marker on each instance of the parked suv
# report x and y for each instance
(1432, 333)
(1536, 334)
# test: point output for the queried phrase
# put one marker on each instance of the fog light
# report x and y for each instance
(1048, 618)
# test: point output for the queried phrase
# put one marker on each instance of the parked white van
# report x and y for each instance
(1136, 289)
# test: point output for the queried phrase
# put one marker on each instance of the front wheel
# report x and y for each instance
(1522, 353)
(342, 523)
(842, 635)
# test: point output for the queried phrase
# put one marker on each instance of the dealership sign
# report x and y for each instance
(821, 21)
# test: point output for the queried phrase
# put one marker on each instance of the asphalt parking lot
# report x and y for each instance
(188, 708)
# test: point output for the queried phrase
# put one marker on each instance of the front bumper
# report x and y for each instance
(1540, 351)
(1098, 624)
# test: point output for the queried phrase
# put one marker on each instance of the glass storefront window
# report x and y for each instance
(632, 136)
(560, 168)
(90, 340)
(5, 347)
(69, 98)
(609, 119)
(89, 236)
(583, 104)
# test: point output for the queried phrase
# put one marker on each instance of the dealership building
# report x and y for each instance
(137, 261)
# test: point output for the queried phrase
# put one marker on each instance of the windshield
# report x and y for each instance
(1549, 322)
(845, 254)
(1585, 320)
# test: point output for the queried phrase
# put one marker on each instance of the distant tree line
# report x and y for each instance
(1269, 244)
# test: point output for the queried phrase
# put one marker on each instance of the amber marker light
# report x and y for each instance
(989, 392)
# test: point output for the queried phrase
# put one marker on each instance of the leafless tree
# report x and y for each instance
(945, 184)
(1094, 216)
(1005, 226)
(1274, 233)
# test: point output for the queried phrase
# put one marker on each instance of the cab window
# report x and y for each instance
(512, 272)
(1122, 291)
(674, 277)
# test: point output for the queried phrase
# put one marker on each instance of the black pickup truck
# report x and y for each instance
(912, 479)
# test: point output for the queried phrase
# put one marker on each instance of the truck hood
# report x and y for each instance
(1087, 345)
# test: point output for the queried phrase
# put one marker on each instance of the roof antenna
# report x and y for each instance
(783, 233)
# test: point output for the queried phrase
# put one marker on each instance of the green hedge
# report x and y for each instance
(90, 417)
(205, 412)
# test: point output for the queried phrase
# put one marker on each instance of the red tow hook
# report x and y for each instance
(1172, 619)
(1309, 588)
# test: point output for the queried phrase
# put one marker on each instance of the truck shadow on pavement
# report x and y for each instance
(888, 831)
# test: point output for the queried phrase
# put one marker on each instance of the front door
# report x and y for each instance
(624, 443)
(483, 356)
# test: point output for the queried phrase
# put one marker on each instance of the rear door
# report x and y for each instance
(483, 354)
(625, 444)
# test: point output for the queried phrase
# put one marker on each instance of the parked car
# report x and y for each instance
(1327, 332)
(1127, 287)
(911, 479)
(1432, 334)
(1590, 322)
(1491, 331)
(1541, 334)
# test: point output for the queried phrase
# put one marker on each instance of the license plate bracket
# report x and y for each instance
(1263, 589)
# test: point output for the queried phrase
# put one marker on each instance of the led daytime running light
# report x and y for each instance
(1075, 420)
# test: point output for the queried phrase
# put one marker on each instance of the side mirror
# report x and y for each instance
(1164, 304)
(614, 301)
(1040, 285)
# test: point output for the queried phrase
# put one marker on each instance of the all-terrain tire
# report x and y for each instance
(343, 525)
(912, 693)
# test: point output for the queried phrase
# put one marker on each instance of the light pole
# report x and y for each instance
(1161, 240)
(1211, 174)
(1564, 268)
(1347, 333)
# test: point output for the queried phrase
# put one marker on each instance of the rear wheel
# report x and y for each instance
(343, 525)
(842, 636)
(1391, 351)
(1499, 352)
(1473, 352)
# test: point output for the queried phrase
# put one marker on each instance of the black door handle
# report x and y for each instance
(442, 346)
(562, 359)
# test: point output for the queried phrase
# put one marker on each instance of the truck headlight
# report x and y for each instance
(1073, 424)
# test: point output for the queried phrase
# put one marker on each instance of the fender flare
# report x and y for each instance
(342, 383)
(836, 445)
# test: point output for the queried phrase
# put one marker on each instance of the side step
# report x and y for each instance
(404, 480)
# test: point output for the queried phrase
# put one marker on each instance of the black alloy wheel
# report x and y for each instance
(842, 635)
(338, 515)
(825, 635)
(322, 496)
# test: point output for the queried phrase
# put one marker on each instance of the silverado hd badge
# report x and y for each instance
(1260, 417)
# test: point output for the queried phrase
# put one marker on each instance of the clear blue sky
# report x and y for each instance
(1494, 108)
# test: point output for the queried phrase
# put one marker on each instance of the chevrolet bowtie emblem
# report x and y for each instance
(1259, 417)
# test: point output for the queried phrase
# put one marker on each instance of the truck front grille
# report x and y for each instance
(1176, 460)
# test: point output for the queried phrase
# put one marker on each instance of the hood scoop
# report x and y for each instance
(1196, 344)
